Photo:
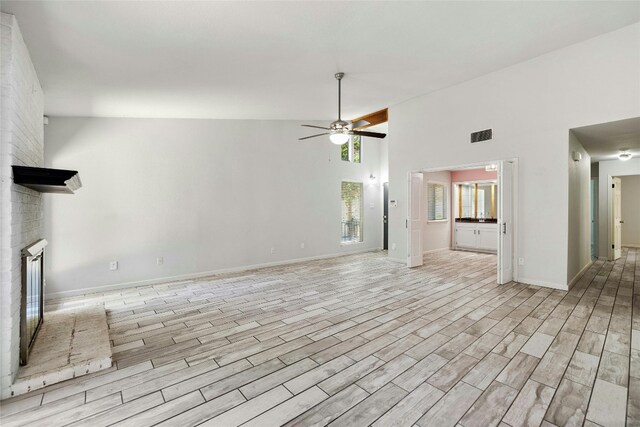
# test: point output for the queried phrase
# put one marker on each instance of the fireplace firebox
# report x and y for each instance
(32, 309)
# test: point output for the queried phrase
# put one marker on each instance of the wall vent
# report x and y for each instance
(483, 135)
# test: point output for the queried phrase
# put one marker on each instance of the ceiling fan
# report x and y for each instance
(340, 130)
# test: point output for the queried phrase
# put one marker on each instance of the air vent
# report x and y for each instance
(483, 135)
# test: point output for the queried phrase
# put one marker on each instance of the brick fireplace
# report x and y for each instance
(21, 215)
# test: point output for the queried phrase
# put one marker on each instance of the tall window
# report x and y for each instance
(436, 202)
(351, 151)
(351, 193)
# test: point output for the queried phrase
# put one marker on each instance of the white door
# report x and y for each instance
(414, 258)
(617, 218)
(505, 222)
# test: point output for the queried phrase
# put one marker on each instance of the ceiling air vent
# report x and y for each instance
(483, 135)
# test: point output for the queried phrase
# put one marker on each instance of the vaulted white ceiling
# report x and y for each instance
(276, 60)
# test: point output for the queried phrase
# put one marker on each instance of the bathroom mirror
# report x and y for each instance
(486, 200)
(467, 200)
(478, 200)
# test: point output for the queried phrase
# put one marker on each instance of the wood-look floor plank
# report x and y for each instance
(361, 340)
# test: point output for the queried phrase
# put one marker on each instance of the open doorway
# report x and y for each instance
(613, 151)
(464, 208)
(624, 221)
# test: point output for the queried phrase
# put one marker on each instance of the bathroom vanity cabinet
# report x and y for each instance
(475, 235)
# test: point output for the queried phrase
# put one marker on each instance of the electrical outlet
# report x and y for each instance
(302, 245)
(273, 251)
(520, 261)
(160, 260)
(113, 265)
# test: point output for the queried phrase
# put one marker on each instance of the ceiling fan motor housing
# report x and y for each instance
(339, 125)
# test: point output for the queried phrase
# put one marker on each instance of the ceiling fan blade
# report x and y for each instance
(373, 119)
(370, 134)
(317, 127)
(359, 124)
(313, 136)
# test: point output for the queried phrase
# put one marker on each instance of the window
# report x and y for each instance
(437, 202)
(352, 151)
(351, 193)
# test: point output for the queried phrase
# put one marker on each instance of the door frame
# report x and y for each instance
(595, 221)
(514, 206)
(385, 216)
(609, 217)
(612, 220)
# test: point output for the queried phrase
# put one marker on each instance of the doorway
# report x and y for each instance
(504, 229)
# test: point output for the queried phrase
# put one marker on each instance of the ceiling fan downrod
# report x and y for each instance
(339, 77)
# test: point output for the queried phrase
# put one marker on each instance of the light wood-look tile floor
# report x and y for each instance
(362, 340)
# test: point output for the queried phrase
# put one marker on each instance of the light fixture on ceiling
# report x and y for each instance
(624, 155)
(491, 168)
(339, 137)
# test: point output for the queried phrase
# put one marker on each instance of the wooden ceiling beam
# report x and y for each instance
(376, 118)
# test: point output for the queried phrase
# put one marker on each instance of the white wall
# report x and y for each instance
(206, 195)
(579, 236)
(530, 106)
(606, 170)
(631, 210)
(436, 235)
(21, 220)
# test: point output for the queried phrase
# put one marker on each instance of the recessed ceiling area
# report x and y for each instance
(604, 141)
(276, 60)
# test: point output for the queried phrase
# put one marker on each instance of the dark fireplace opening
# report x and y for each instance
(32, 309)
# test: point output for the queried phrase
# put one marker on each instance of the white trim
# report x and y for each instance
(631, 245)
(436, 250)
(542, 283)
(579, 275)
(480, 251)
(191, 276)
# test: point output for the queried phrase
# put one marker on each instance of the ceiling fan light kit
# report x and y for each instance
(339, 138)
(340, 130)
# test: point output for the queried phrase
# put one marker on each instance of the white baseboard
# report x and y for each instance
(436, 250)
(542, 283)
(631, 245)
(193, 276)
(579, 275)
